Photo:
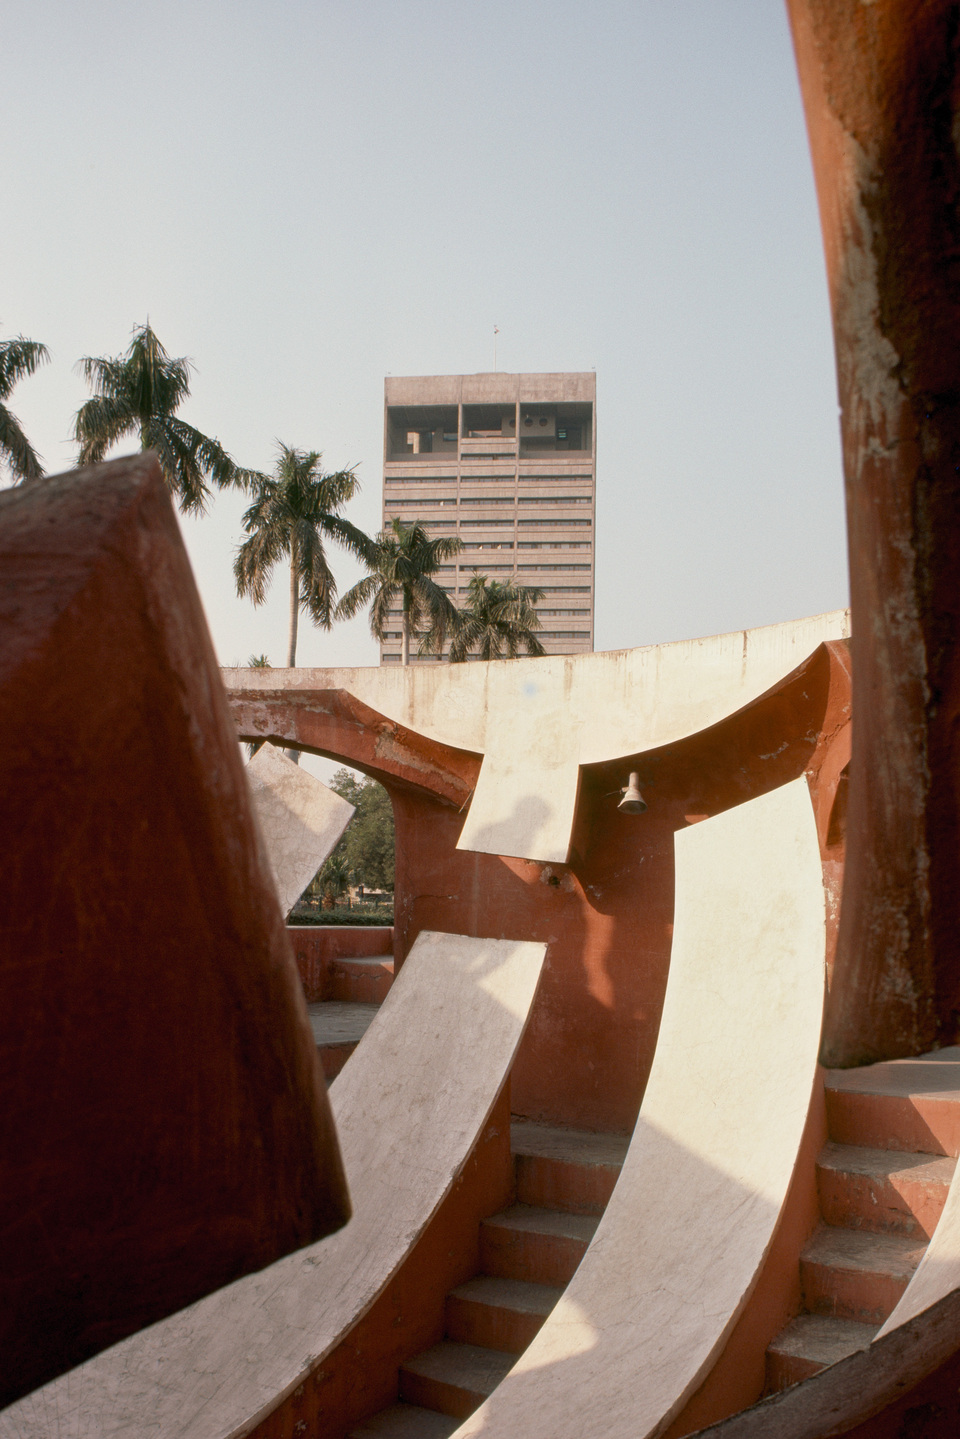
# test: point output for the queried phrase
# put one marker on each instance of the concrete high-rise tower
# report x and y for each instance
(508, 463)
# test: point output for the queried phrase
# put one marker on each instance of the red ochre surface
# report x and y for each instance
(880, 86)
(164, 1126)
(607, 916)
(607, 920)
(317, 948)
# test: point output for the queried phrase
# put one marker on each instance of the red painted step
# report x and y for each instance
(500, 1314)
(529, 1252)
(853, 1274)
(364, 980)
(882, 1190)
(569, 1169)
(406, 1421)
(907, 1104)
(809, 1344)
(543, 1246)
(454, 1378)
(338, 1028)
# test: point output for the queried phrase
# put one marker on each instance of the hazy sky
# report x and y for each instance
(305, 198)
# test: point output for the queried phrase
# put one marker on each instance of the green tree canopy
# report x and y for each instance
(366, 849)
(293, 512)
(18, 359)
(498, 620)
(139, 393)
(402, 566)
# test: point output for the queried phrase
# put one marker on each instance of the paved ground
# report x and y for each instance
(340, 1022)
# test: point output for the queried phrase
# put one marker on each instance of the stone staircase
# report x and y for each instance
(528, 1254)
(894, 1134)
(357, 988)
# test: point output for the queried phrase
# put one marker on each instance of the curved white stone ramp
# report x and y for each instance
(408, 1107)
(681, 1243)
(536, 721)
(300, 818)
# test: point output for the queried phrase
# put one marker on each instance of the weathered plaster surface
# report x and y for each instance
(682, 1240)
(408, 1106)
(880, 85)
(165, 1127)
(537, 721)
(300, 819)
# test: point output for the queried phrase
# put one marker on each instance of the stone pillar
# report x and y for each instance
(881, 87)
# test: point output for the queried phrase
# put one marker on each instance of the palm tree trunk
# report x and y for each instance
(294, 604)
(293, 754)
(405, 638)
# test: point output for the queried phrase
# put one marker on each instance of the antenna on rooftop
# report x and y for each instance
(496, 331)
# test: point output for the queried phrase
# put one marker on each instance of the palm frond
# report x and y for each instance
(357, 598)
(18, 359)
(98, 424)
(140, 392)
(350, 537)
(254, 560)
(16, 450)
(295, 510)
(499, 618)
(318, 588)
(175, 445)
(107, 378)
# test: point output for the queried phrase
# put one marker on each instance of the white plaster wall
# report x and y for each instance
(536, 721)
(301, 820)
(408, 1107)
(680, 1246)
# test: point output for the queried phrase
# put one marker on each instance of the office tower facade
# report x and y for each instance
(508, 463)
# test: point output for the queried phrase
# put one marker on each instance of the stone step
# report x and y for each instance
(406, 1421)
(539, 1245)
(855, 1274)
(570, 1169)
(366, 980)
(882, 1189)
(907, 1104)
(808, 1344)
(500, 1314)
(338, 1028)
(453, 1378)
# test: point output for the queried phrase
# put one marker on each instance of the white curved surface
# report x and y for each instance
(938, 1273)
(536, 721)
(679, 1248)
(408, 1107)
(300, 819)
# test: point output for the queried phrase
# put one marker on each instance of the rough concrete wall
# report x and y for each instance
(881, 85)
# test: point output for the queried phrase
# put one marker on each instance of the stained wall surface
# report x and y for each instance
(409, 1106)
(164, 1126)
(536, 722)
(879, 85)
(681, 1242)
(606, 915)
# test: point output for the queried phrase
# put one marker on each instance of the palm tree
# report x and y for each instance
(257, 662)
(139, 393)
(293, 512)
(497, 617)
(401, 567)
(18, 358)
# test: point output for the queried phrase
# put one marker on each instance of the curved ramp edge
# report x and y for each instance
(938, 1273)
(536, 721)
(301, 820)
(681, 1243)
(408, 1108)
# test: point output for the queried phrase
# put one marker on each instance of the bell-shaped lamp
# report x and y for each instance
(632, 801)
